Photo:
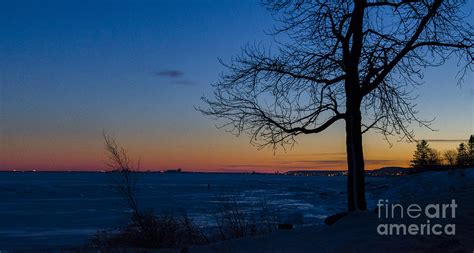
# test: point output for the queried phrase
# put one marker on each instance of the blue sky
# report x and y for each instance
(136, 68)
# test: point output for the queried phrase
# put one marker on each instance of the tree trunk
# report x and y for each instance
(355, 158)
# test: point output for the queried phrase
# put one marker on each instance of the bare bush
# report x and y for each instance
(165, 231)
(234, 219)
(121, 163)
(146, 229)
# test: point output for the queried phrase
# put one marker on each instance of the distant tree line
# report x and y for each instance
(426, 157)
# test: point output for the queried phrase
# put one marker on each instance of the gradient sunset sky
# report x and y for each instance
(70, 69)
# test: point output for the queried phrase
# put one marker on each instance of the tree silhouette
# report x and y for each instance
(420, 157)
(470, 145)
(340, 60)
(424, 156)
(462, 159)
(450, 157)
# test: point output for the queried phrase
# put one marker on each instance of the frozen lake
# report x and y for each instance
(44, 210)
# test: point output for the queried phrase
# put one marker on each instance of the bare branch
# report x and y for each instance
(407, 48)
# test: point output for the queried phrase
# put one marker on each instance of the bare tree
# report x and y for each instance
(340, 60)
(450, 157)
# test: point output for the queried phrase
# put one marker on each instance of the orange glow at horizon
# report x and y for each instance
(223, 154)
(208, 150)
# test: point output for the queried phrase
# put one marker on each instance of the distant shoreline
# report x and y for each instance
(386, 171)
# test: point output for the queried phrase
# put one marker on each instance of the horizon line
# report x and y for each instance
(171, 171)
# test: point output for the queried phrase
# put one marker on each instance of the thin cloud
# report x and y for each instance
(343, 162)
(169, 73)
(445, 140)
(381, 161)
(174, 77)
(321, 162)
(248, 165)
(324, 154)
(310, 164)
